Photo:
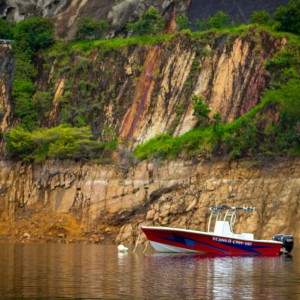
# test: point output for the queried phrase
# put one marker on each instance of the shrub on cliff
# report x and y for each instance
(34, 34)
(218, 21)
(31, 35)
(6, 30)
(283, 66)
(151, 23)
(182, 22)
(257, 134)
(60, 142)
(260, 17)
(284, 18)
(288, 17)
(91, 29)
(201, 112)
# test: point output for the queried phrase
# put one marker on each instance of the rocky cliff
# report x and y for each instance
(134, 91)
(67, 201)
(66, 12)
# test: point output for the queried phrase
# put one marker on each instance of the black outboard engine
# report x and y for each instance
(287, 242)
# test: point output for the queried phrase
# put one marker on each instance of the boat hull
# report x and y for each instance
(164, 239)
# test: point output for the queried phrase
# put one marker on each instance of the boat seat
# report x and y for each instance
(222, 228)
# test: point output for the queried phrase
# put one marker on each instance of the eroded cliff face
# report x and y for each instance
(6, 78)
(67, 12)
(138, 91)
(67, 201)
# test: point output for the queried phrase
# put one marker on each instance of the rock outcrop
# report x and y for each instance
(66, 12)
(68, 201)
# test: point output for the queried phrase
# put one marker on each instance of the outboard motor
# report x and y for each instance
(287, 242)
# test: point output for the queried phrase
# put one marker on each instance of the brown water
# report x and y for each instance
(29, 271)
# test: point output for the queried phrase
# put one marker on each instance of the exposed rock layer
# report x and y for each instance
(71, 201)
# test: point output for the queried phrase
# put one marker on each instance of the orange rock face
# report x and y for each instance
(62, 201)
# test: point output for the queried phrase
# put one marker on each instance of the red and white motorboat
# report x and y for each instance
(221, 240)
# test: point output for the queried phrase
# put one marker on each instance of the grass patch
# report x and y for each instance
(62, 48)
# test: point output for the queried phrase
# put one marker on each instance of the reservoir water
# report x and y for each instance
(83, 271)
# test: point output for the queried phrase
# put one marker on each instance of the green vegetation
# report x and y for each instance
(271, 129)
(6, 30)
(91, 29)
(260, 17)
(33, 34)
(218, 21)
(256, 135)
(60, 48)
(30, 36)
(201, 112)
(288, 17)
(151, 23)
(182, 22)
(60, 142)
(283, 19)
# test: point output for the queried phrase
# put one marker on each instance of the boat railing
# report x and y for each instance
(217, 213)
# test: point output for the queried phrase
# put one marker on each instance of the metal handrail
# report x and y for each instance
(224, 207)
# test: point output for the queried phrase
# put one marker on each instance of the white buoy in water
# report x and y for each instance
(122, 248)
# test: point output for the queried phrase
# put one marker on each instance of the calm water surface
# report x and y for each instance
(29, 271)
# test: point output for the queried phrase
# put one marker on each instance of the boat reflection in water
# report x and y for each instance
(66, 271)
(209, 276)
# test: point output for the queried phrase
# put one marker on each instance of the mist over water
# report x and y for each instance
(84, 271)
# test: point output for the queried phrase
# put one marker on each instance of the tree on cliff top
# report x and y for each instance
(289, 17)
(91, 29)
(182, 22)
(218, 21)
(260, 17)
(34, 34)
(151, 23)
